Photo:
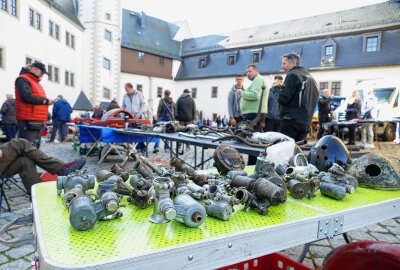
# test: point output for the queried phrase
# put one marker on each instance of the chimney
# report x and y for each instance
(142, 19)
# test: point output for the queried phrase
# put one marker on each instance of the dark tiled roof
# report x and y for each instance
(366, 18)
(148, 34)
(68, 8)
(82, 103)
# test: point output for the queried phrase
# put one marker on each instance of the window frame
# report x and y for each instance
(231, 60)
(66, 78)
(72, 79)
(256, 55)
(4, 5)
(56, 74)
(31, 17)
(373, 45)
(139, 87)
(13, 8)
(67, 38)
(202, 62)
(72, 41)
(2, 58)
(28, 60)
(51, 28)
(330, 49)
(57, 31)
(161, 61)
(107, 35)
(38, 21)
(141, 56)
(105, 89)
(50, 74)
(366, 37)
(321, 87)
(106, 63)
(194, 92)
(214, 91)
(159, 91)
(108, 16)
(336, 91)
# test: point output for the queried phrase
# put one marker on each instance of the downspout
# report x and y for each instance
(151, 94)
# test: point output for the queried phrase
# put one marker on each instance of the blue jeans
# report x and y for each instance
(10, 130)
(61, 127)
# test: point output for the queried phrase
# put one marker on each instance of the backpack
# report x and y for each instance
(308, 95)
(167, 112)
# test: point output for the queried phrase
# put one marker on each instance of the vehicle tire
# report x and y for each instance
(390, 132)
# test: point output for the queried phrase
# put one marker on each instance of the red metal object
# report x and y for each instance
(113, 119)
(363, 255)
(46, 176)
(274, 261)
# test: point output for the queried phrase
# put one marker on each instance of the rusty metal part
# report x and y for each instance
(227, 158)
(375, 171)
(266, 190)
(119, 171)
(298, 189)
(242, 140)
(332, 190)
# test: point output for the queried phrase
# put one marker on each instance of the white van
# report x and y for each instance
(387, 92)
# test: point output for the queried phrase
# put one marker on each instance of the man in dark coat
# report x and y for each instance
(272, 122)
(186, 108)
(297, 99)
(9, 119)
(61, 115)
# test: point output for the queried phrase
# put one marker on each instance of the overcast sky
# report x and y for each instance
(216, 16)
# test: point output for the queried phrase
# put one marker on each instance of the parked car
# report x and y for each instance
(387, 92)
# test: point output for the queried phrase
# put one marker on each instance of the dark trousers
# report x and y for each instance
(238, 119)
(321, 129)
(352, 134)
(25, 132)
(60, 127)
(10, 130)
(250, 116)
(294, 130)
(272, 124)
(20, 157)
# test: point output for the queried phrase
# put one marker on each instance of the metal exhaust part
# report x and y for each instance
(227, 158)
(266, 190)
(189, 211)
(298, 189)
(164, 210)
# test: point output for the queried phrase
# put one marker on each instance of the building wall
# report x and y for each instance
(20, 40)
(348, 78)
(99, 16)
(149, 65)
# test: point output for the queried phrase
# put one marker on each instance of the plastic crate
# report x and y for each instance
(274, 261)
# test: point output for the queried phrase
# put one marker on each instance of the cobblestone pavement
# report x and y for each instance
(21, 257)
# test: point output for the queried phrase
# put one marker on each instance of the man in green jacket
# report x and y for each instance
(255, 94)
(250, 101)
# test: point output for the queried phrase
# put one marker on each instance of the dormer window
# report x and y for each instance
(202, 62)
(328, 52)
(372, 42)
(256, 55)
(232, 58)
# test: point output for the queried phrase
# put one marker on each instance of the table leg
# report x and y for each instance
(202, 158)
(195, 156)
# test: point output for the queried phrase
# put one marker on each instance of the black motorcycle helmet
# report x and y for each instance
(328, 150)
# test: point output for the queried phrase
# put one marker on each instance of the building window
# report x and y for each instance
(202, 62)
(161, 61)
(106, 93)
(38, 21)
(67, 38)
(139, 87)
(372, 44)
(56, 75)
(323, 85)
(335, 89)
(72, 79)
(231, 60)
(4, 5)
(256, 57)
(328, 50)
(66, 78)
(72, 41)
(57, 32)
(31, 17)
(14, 7)
(50, 76)
(214, 92)
(159, 92)
(108, 16)
(106, 63)
(194, 92)
(51, 29)
(28, 60)
(1, 58)
(141, 56)
(107, 35)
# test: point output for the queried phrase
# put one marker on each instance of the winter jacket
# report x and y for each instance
(112, 105)
(353, 110)
(250, 100)
(8, 109)
(186, 108)
(324, 107)
(234, 103)
(162, 112)
(31, 101)
(290, 95)
(98, 113)
(134, 103)
(62, 110)
(273, 104)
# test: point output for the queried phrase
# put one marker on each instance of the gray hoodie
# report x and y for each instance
(234, 103)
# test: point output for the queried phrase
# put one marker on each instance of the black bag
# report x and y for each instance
(34, 125)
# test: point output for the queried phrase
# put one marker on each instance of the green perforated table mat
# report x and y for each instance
(134, 235)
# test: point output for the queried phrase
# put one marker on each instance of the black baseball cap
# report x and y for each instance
(40, 66)
(186, 91)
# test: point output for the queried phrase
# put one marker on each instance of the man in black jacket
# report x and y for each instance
(324, 110)
(186, 108)
(297, 99)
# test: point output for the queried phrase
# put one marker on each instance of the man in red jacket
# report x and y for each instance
(31, 102)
